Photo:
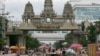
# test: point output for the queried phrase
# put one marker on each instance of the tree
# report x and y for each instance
(92, 33)
(58, 44)
(31, 42)
(68, 39)
(2, 40)
(82, 40)
(82, 25)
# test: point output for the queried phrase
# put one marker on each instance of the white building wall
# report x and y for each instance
(73, 2)
(58, 35)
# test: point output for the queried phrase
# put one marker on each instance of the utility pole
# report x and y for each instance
(3, 20)
(3, 23)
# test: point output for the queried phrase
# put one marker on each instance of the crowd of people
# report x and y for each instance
(47, 52)
(5, 51)
(56, 52)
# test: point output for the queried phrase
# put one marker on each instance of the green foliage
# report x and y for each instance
(58, 44)
(31, 42)
(82, 40)
(92, 33)
(82, 25)
(2, 42)
(69, 39)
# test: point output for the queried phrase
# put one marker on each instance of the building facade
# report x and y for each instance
(48, 21)
(87, 11)
(48, 18)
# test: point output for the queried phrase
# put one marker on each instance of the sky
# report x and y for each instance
(16, 7)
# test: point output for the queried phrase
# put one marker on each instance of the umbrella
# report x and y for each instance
(79, 48)
(13, 47)
(76, 45)
(43, 46)
(22, 47)
(70, 51)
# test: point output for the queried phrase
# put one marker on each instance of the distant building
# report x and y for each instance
(87, 11)
(49, 35)
(12, 24)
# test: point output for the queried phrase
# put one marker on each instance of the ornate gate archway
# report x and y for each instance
(48, 20)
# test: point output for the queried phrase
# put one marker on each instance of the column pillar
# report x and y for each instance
(98, 40)
(8, 41)
(21, 40)
(75, 39)
(24, 40)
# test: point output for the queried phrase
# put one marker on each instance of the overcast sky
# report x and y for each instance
(16, 7)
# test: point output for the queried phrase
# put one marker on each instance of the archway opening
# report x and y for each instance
(13, 40)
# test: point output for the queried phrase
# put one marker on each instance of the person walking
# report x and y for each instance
(18, 53)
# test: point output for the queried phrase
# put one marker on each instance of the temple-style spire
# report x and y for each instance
(48, 9)
(28, 12)
(68, 11)
(48, 4)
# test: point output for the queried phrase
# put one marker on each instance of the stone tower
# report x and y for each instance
(68, 12)
(28, 13)
(48, 19)
(48, 11)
